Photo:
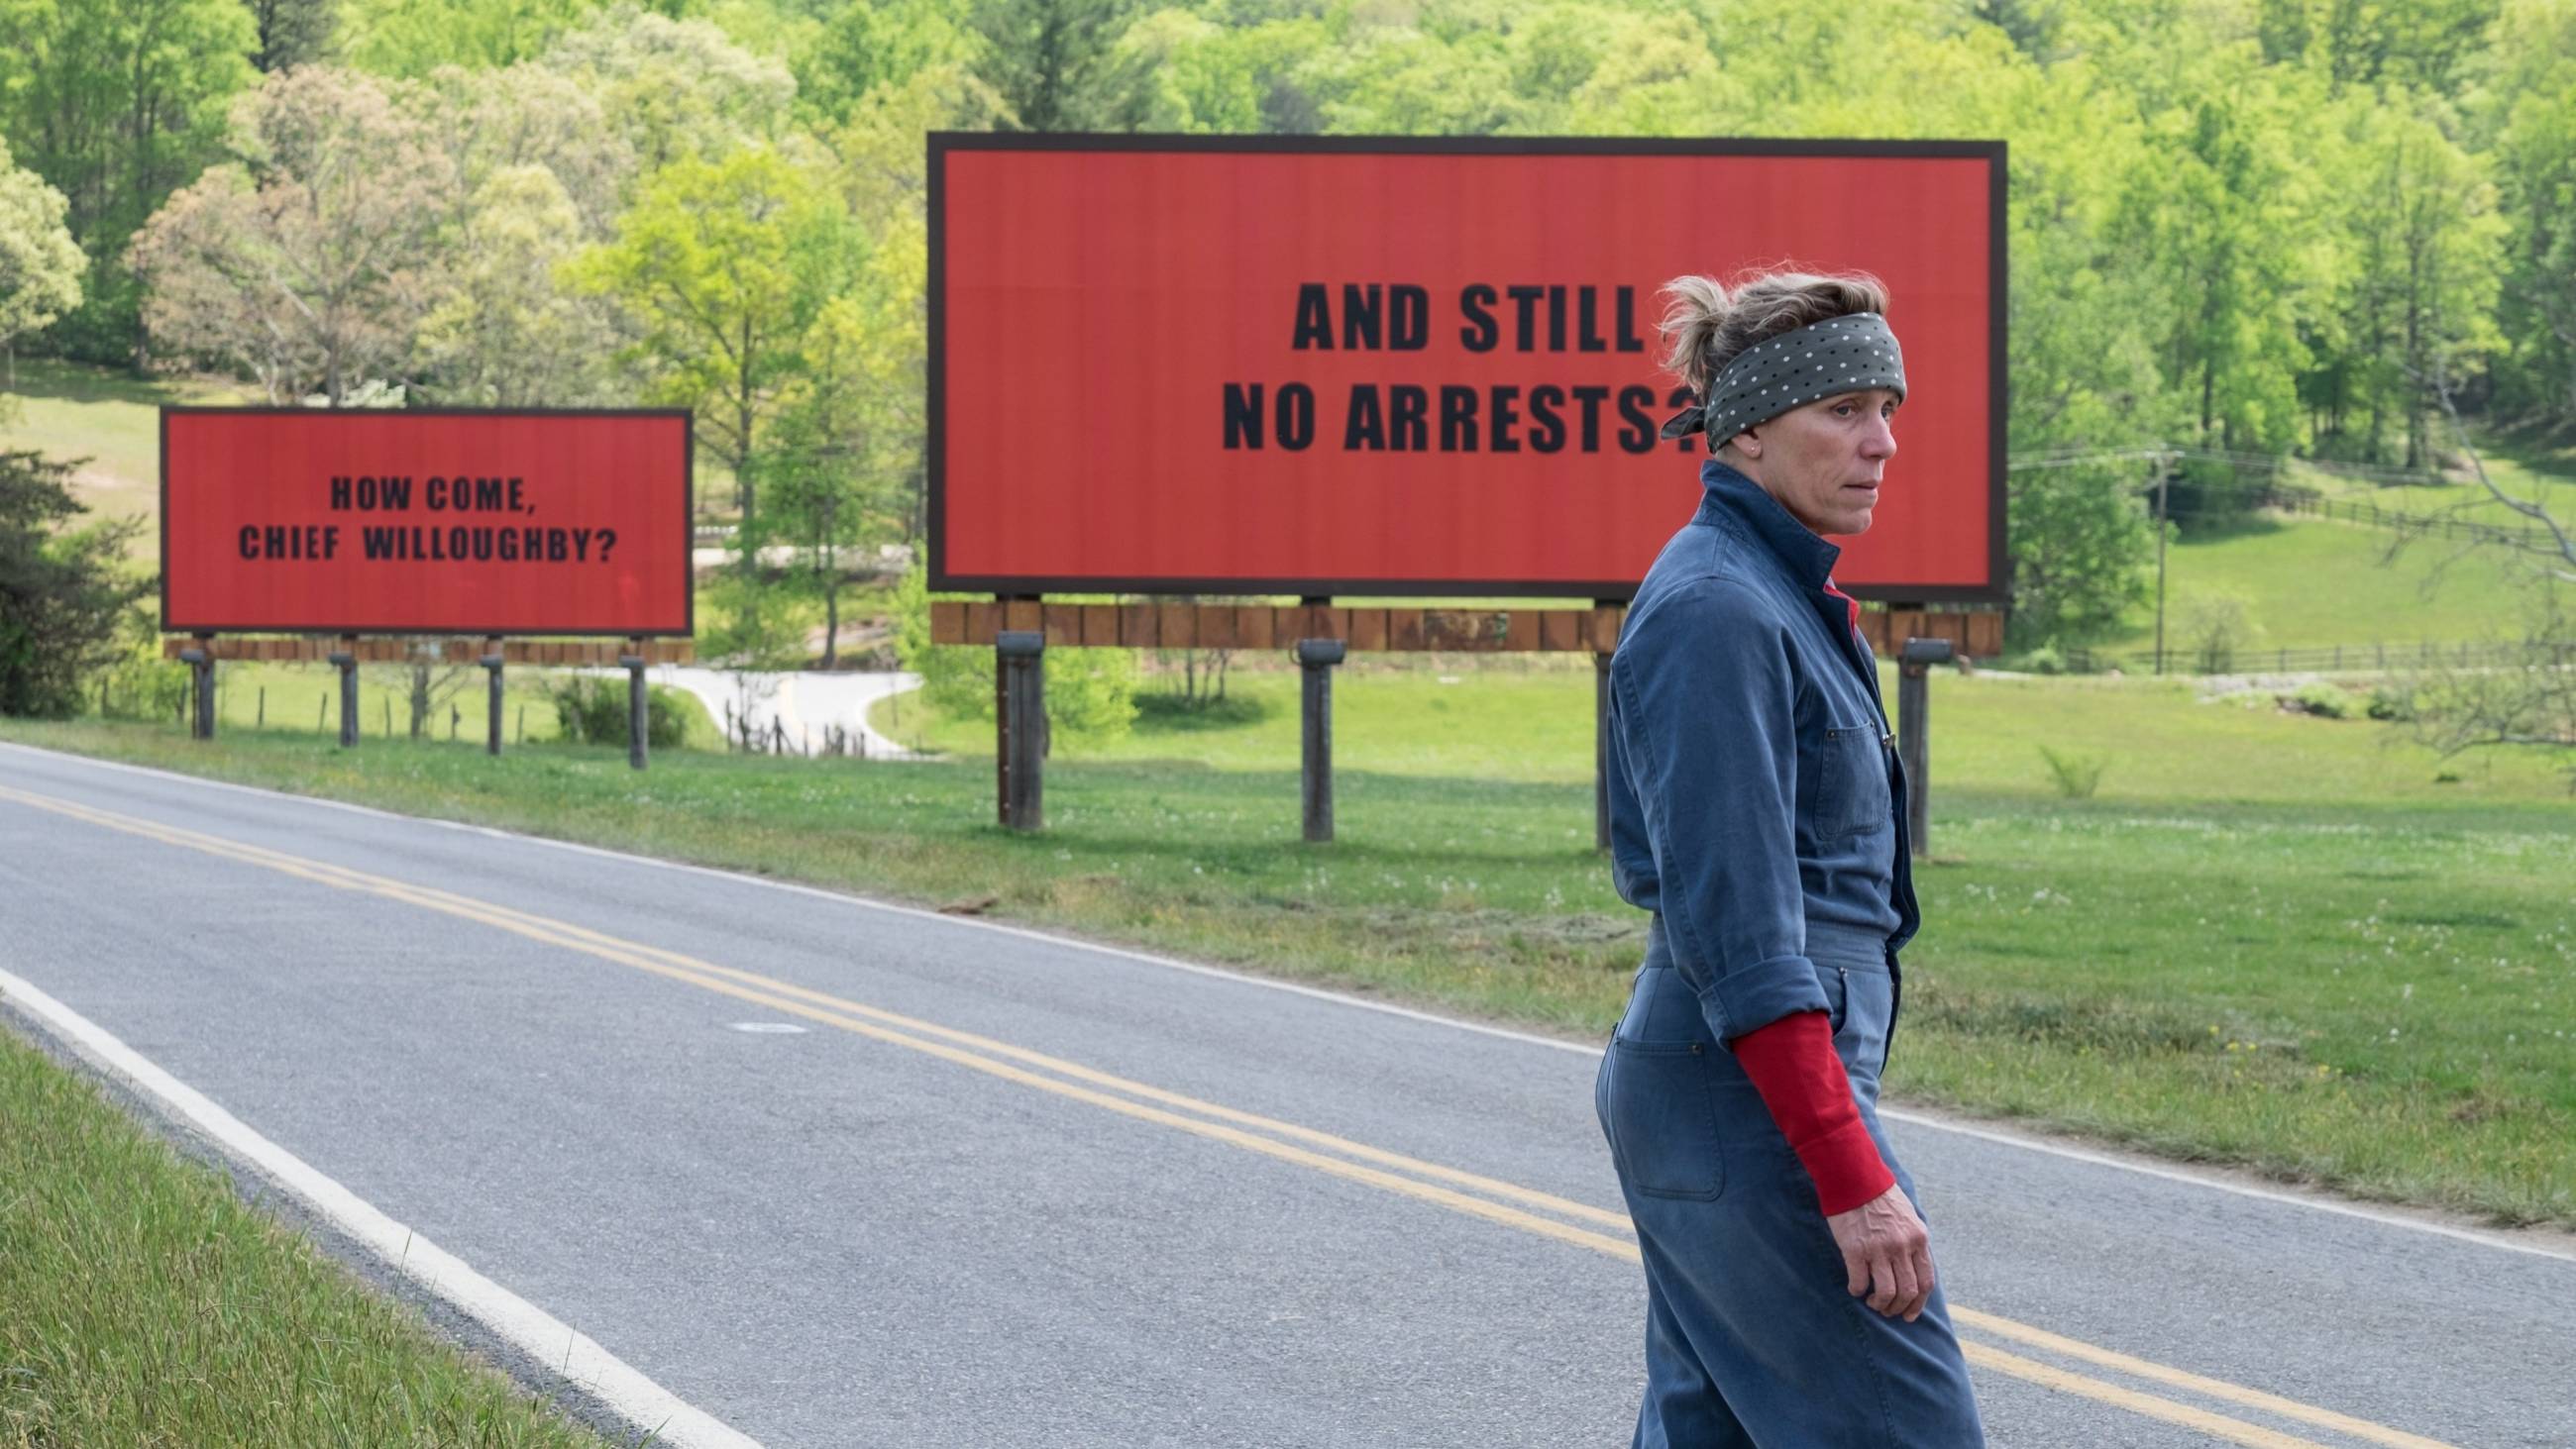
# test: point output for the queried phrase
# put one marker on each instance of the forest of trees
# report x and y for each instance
(2262, 225)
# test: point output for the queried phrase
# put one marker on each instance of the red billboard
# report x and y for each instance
(1415, 366)
(425, 522)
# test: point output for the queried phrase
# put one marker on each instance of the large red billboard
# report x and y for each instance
(425, 522)
(1399, 366)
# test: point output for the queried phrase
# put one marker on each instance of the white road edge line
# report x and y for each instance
(539, 1334)
(1915, 1119)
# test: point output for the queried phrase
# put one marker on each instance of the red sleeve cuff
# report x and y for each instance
(1802, 1082)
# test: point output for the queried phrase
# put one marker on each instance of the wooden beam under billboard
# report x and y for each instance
(459, 649)
(1976, 634)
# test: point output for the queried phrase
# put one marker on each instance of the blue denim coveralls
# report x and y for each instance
(1757, 809)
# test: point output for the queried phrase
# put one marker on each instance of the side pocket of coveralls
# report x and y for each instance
(1657, 1108)
(1851, 782)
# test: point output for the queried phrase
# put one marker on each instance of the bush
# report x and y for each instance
(1159, 709)
(143, 685)
(2043, 660)
(590, 709)
(65, 593)
(2076, 776)
(2390, 702)
(2213, 624)
(2320, 699)
(1090, 693)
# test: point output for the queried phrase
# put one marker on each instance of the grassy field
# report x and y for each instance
(2309, 582)
(2541, 472)
(65, 410)
(141, 1303)
(2296, 944)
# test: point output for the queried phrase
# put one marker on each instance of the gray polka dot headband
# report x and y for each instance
(1842, 354)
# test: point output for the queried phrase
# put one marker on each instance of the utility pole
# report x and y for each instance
(2164, 477)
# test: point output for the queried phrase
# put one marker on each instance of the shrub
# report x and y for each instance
(143, 685)
(2321, 699)
(2391, 702)
(65, 592)
(1090, 693)
(2213, 625)
(590, 709)
(2043, 660)
(2076, 776)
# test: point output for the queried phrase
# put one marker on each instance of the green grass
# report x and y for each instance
(2311, 582)
(2544, 473)
(141, 1303)
(67, 411)
(2271, 940)
(2163, 740)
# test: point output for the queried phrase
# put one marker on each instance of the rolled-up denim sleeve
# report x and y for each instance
(1706, 730)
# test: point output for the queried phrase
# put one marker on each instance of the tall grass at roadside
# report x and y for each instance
(142, 1304)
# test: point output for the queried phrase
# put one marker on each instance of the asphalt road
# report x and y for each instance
(1004, 1189)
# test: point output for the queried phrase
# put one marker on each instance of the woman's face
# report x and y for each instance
(1825, 460)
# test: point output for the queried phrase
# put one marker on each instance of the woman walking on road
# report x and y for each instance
(1757, 809)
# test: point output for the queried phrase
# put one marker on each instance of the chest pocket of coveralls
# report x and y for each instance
(1851, 781)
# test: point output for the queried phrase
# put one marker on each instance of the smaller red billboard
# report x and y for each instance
(425, 522)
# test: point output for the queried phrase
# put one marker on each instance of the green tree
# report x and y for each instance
(311, 260)
(2428, 259)
(292, 32)
(408, 39)
(721, 266)
(2367, 43)
(2529, 108)
(492, 121)
(674, 89)
(846, 447)
(1057, 63)
(64, 591)
(501, 332)
(867, 46)
(40, 265)
(117, 103)
(2229, 224)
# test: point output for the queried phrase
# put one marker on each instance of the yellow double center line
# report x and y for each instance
(1496, 1201)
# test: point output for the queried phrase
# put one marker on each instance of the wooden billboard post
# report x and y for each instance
(1914, 731)
(637, 716)
(201, 671)
(345, 659)
(1020, 718)
(1317, 658)
(491, 662)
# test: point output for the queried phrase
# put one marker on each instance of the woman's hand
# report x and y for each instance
(1887, 1254)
